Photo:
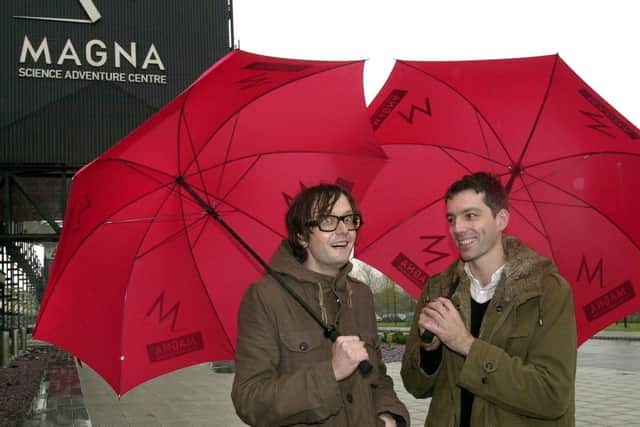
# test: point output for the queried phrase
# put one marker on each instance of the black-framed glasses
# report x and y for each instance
(330, 222)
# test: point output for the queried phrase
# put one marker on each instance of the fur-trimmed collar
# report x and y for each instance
(522, 269)
(522, 260)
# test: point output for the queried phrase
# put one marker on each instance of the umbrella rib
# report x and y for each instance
(271, 153)
(544, 233)
(246, 214)
(193, 151)
(90, 232)
(475, 108)
(447, 150)
(419, 210)
(244, 105)
(533, 226)
(226, 160)
(139, 168)
(584, 155)
(589, 206)
(398, 224)
(256, 158)
(484, 138)
(546, 203)
(245, 173)
(171, 236)
(143, 237)
(518, 166)
(211, 213)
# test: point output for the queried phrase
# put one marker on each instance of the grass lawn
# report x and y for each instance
(631, 327)
(394, 324)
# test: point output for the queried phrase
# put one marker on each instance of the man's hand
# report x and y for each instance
(442, 318)
(389, 421)
(347, 352)
(423, 322)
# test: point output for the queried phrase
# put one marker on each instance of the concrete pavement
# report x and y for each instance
(198, 396)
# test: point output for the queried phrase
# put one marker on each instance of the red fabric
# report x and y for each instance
(144, 280)
(570, 160)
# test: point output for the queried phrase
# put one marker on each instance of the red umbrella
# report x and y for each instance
(570, 162)
(146, 278)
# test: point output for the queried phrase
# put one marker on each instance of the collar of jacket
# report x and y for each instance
(327, 287)
(523, 268)
(284, 262)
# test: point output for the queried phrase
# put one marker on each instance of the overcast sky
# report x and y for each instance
(599, 39)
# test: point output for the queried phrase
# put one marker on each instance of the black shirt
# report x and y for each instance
(477, 314)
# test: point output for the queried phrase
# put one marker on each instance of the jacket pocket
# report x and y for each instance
(300, 348)
(518, 337)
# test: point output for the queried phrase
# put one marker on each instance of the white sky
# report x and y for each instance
(599, 39)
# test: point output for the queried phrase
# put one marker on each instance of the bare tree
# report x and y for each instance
(366, 273)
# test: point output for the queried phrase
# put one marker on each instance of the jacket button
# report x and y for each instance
(488, 366)
(303, 346)
(485, 380)
(499, 308)
(349, 398)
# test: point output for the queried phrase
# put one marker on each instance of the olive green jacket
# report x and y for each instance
(522, 366)
(283, 360)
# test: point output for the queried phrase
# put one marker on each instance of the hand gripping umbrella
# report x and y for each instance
(570, 162)
(153, 261)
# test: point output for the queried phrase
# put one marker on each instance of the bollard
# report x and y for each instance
(15, 343)
(4, 349)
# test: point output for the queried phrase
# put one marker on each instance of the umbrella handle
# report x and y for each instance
(426, 337)
(364, 366)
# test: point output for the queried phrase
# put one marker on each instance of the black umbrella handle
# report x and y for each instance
(364, 366)
(426, 337)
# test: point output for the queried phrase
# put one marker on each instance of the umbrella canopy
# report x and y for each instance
(148, 275)
(569, 161)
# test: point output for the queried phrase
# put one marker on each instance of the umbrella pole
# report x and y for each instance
(329, 331)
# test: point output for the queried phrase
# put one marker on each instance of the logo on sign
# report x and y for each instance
(88, 6)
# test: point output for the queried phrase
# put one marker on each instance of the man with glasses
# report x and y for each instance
(287, 371)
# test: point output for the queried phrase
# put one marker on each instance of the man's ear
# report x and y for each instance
(502, 219)
(302, 241)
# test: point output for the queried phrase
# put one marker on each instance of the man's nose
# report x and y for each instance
(456, 226)
(342, 227)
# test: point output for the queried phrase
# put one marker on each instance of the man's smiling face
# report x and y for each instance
(473, 227)
(329, 251)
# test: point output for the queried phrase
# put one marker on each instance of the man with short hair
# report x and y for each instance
(493, 341)
(287, 372)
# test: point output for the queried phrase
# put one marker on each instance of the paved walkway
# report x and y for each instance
(198, 396)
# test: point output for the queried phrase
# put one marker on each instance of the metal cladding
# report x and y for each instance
(77, 76)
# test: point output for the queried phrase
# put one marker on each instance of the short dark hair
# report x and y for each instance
(495, 196)
(307, 206)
